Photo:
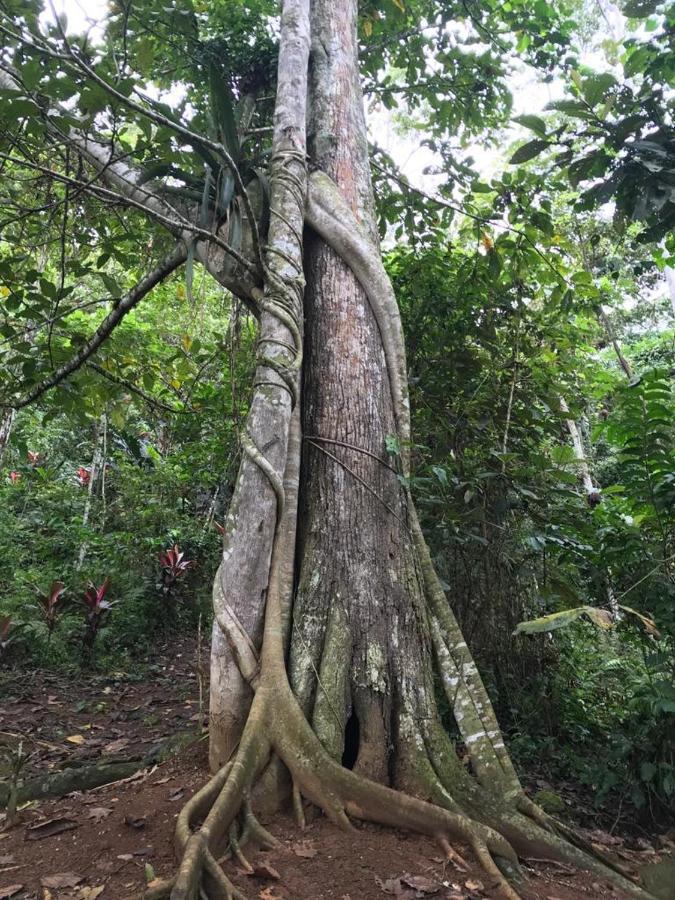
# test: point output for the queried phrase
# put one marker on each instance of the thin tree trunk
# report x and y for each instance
(6, 424)
(592, 492)
(609, 331)
(96, 461)
(670, 282)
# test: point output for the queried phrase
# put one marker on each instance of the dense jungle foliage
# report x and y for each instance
(532, 295)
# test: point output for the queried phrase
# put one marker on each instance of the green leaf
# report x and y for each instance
(647, 771)
(145, 56)
(596, 87)
(391, 442)
(599, 617)
(528, 151)
(550, 622)
(534, 123)
(111, 284)
(571, 108)
(222, 110)
(440, 473)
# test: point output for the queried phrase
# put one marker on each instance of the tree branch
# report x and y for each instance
(179, 227)
(134, 389)
(107, 326)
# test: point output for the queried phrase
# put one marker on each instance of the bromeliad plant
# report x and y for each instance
(97, 606)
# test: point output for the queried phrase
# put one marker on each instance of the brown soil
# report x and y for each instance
(118, 836)
(67, 720)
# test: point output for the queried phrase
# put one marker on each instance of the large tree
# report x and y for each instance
(332, 632)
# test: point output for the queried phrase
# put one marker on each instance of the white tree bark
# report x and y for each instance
(6, 424)
(96, 465)
(579, 453)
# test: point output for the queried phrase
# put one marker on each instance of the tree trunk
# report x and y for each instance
(361, 650)
(350, 707)
(6, 423)
(97, 462)
(592, 492)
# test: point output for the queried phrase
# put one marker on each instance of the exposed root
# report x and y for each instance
(489, 865)
(158, 890)
(298, 809)
(236, 851)
(198, 806)
(219, 885)
(453, 856)
(254, 831)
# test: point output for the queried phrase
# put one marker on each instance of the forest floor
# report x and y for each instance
(109, 841)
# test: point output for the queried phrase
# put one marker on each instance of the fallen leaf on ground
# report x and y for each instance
(75, 739)
(61, 880)
(161, 781)
(421, 884)
(474, 885)
(262, 870)
(107, 866)
(602, 837)
(116, 746)
(396, 888)
(90, 893)
(7, 860)
(304, 849)
(97, 813)
(135, 821)
(125, 856)
(48, 828)
(10, 890)
(268, 894)
(177, 794)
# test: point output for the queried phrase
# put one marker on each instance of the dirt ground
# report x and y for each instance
(110, 841)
